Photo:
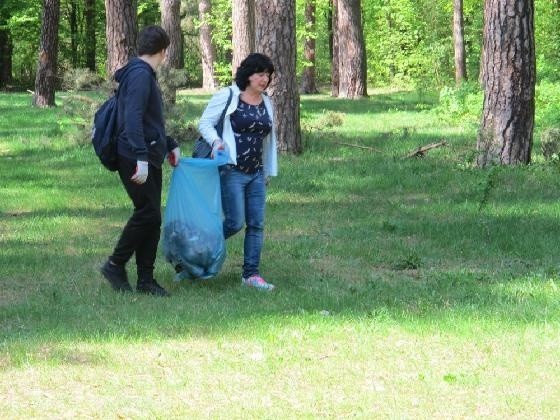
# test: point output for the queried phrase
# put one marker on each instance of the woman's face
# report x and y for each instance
(259, 81)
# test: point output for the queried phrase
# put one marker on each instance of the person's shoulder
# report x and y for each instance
(142, 70)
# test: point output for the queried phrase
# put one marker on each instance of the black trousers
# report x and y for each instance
(141, 234)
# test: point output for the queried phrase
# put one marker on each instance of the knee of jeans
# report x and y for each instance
(232, 227)
(255, 225)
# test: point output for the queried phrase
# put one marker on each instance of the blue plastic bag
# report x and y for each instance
(193, 238)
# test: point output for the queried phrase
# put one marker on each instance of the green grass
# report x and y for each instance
(406, 288)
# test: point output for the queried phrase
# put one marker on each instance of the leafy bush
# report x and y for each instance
(461, 104)
(80, 109)
(170, 80)
(550, 143)
(328, 119)
(547, 104)
(80, 79)
(177, 126)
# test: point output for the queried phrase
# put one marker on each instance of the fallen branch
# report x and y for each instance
(421, 151)
(358, 146)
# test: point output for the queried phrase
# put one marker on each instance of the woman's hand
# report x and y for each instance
(217, 144)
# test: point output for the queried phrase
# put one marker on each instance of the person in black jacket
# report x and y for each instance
(142, 147)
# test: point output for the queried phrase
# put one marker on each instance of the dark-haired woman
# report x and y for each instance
(250, 144)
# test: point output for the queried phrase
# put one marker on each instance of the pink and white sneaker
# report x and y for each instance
(257, 282)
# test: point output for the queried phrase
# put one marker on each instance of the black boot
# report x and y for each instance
(151, 287)
(116, 275)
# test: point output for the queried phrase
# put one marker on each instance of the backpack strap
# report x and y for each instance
(220, 125)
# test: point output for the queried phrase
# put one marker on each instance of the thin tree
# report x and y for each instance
(243, 30)
(351, 50)
(506, 131)
(6, 49)
(72, 16)
(459, 42)
(308, 82)
(276, 37)
(208, 51)
(121, 31)
(91, 39)
(171, 23)
(45, 80)
(333, 23)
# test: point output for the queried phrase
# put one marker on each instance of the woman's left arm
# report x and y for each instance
(211, 116)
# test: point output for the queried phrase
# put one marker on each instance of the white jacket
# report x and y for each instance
(212, 114)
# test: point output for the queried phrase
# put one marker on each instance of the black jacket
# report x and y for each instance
(140, 114)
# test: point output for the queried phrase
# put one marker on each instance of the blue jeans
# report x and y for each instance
(243, 202)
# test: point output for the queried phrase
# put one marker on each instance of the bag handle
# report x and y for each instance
(220, 125)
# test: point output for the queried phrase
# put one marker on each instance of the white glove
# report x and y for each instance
(141, 173)
(174, 156)
(218, 144)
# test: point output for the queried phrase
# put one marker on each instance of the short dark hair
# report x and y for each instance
(151, 40)
(253, 63)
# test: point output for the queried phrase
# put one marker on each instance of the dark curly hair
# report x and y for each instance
(253, 63)
(151, 40)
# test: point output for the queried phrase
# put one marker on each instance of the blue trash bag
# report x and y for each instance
(193, 238)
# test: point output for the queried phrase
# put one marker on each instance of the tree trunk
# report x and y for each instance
(276, 37)
(208, 52)
(352, 57)
(506, 132)
(73, 23)
(308, 84)
(335, 60)
(90, 34)
(6, 50)
(171, 23)
(459, 42)
(121, 32)
(45, 80)
(243, 31)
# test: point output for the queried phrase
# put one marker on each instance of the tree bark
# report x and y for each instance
(243, 31)
(6, 50)
(73, 23)
(45, 80)
(91, 39)
(121, 32)
(308, 82)
(208, 52)
(351, 51)
(171, 23)
(459, 42)
(335, 77)
(276, 37)
(506, 132)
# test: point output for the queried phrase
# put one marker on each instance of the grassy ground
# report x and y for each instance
(408, 288)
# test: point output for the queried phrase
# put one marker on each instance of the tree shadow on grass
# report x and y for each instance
(379, 103)
(353, 235)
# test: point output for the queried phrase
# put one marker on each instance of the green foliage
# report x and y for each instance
(169, 81)
(550, 143)
(80, 79)
(179, 126)
(547, 39)
(25, 30)
(328, 119)
(547, 103)
(461, 104)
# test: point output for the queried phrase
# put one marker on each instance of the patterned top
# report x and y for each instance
(250, 124)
